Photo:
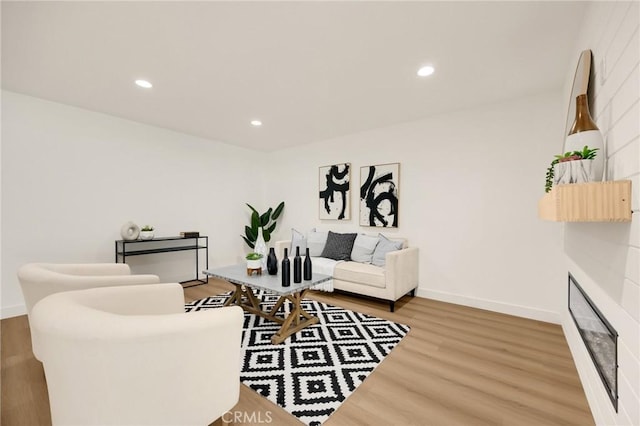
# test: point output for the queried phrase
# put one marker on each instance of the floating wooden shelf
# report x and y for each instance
(588, 202)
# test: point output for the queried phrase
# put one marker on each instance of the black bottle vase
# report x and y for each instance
(272, 262)
(286, 270)
(297, 267)
(307, 266)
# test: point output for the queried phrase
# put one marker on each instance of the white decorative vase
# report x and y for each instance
(146, 235)
(261, 247)
(585, 132)
(130, 231)
(576, 171)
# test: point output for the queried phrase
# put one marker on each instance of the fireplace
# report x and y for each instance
(600, 338)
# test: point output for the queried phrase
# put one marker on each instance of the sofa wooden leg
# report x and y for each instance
(392, 305)
(412, 293)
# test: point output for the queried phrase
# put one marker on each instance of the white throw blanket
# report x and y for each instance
(322, 265)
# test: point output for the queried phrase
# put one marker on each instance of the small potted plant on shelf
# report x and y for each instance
(571, 167)
(146, 233)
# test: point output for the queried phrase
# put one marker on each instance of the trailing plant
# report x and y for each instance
(147, 228)
(266, 221)
(586, 154)
(254, 256)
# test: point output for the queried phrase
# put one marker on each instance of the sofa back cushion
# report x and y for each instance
(363, 248)
(385, 245)
(339, 246)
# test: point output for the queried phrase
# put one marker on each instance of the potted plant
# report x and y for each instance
(571, 167)
(146, 233)
(254, 261)
(262, 225)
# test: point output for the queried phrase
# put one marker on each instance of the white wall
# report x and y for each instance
(605, 258)
(469, 187)
(71, 178)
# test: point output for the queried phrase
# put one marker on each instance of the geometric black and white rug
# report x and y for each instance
(312, 372)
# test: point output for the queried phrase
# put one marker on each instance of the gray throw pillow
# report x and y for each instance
(297, 240)
(384, 246)
(363, 248)
(339, 246)
(316, 242)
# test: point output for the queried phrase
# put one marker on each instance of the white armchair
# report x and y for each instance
(130, 355)
(39, 280)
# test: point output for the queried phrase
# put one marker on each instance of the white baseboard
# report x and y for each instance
(12, 311)
(492, 305)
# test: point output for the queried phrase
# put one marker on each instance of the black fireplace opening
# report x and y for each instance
(600, 338)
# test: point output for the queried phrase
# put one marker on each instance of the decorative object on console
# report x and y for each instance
(286, 270)
(272, 262)
(254, 263)
(264, 223)
(379, 195)
(146, 233)
(339, 246)
(190, 234)
(335, 194)
(130, 231)
(297, 267)
(308, 271)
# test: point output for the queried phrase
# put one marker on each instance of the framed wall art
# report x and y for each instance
(379, 195)
(334, 183)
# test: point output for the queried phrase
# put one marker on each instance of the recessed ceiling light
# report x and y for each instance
(425, 71)
(256, 123)
(144, 83)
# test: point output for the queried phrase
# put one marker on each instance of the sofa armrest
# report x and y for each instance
(401, 271)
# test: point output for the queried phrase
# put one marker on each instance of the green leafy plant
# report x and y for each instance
(586, 154)
(266, 221)
(254, 256)
(147, 228)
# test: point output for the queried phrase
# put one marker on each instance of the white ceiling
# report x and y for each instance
(309, 70)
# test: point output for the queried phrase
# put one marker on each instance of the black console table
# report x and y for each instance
(126, 248)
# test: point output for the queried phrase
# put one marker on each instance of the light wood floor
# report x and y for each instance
(457, 366)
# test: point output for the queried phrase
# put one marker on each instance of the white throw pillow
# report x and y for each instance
(384, 246)
(363, 248)
(297, 240)
(316, 242)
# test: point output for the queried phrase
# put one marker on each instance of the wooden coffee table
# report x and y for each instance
(244, 297)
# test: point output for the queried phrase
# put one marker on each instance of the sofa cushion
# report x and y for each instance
(339, 246)
(316, 242)
(297, 240)
(363, 248)
(360, 273)
(384, 246)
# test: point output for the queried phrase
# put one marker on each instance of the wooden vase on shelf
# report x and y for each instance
(585, 132)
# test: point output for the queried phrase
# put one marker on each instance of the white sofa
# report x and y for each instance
(130, 355)
(38, 280)
(398, 276)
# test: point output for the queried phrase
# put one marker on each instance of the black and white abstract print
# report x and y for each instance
(379, 195)
(334, 192)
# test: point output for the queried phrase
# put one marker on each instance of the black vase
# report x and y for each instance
(286, 270)
(297, 267)
(307, 266)
(272, 262)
